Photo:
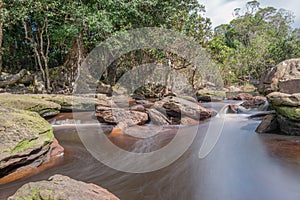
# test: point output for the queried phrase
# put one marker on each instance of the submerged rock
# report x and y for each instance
(63, 188)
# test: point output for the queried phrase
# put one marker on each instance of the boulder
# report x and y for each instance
(63, 188)
(157, 117)
(282, 99)
(71, 103)
(205, 95)
(121, 117)
(31, 103)
(145, 103)
(285, 77)
(104, 88)
(25, 139)
(287, 107)
(176, 108)
(288, 126)
(269, 124)
(250, 101)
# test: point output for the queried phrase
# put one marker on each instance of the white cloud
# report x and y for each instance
(220, 11)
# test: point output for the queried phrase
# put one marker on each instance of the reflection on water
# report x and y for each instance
(239, 167)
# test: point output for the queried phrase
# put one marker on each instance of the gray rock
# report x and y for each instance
(285, 77)
(269, 124)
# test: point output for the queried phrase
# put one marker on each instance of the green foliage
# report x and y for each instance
(257, 39)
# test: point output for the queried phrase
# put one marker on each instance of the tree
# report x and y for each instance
(259, 38)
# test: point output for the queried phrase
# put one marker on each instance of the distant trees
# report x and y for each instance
(257, 39)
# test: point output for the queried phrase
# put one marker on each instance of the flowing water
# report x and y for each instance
(239, 167)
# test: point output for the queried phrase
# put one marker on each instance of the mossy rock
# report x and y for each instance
(30, 103)
(63, 188)
(71, 103)
(210, 95)
(22, 131)
(292, 113)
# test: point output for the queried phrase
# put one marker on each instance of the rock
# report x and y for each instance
(25, 138)
(177, 108)
(269, 124)
(157, 117)
(285, 77)
(255, 102)
(188, 121)
(287, 126)
(250, 101)
(291, 113)
(31, 103)
(282, 99)
(205, 95)
(262, 114)
(287, 107)
(138, 97)
(145, 103)
(139, 108)
(232, 108)
(71, 103)
(104, 88)
(121, 117)
(63, 188)
(241, 97)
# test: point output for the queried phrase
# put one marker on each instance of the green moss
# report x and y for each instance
(24, 145)
(292, 113)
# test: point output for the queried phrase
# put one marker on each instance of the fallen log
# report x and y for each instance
(11, 79)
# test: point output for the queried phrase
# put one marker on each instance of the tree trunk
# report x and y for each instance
(11, 79)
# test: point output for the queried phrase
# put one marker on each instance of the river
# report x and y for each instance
(241, 166)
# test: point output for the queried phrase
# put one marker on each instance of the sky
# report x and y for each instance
(220, 11)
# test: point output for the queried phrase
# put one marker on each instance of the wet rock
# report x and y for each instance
(288, 126)
(157, 117)
(121, 117)
(25, 139)
(188, 121)
(287, 107)
(177, 108)
(250, 101)
(285, 77)
(269, 124)
(291, 113)
(63, 188)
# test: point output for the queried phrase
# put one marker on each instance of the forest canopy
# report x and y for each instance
(53, 37)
